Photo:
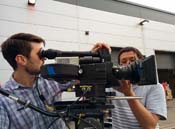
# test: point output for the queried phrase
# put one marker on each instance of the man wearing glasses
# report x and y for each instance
(135, 113)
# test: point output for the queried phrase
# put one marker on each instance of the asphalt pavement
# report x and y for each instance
(170, 122)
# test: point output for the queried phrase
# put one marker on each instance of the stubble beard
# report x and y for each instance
(32, 71)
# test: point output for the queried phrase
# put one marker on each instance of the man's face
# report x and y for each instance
(128, 57)
(34, 62)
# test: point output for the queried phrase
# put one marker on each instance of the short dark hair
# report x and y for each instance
(127, 49)
(19, 43)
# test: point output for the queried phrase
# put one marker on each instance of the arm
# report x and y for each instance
(146, 119)
(64, 86)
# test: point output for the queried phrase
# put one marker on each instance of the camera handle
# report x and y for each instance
(123, 98)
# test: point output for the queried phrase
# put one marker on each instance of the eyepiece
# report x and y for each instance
(50, 53)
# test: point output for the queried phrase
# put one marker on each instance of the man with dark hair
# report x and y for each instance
(135, 113)
(22, 52)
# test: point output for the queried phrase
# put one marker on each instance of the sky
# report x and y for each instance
(167, 5)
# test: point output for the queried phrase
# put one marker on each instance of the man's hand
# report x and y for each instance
(126, 88)
(99, 46)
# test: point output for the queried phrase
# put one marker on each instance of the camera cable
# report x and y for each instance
(49, 107)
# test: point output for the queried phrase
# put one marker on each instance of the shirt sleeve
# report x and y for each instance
(64, 86)
(156, 101)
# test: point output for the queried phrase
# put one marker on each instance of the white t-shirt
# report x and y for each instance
(153, 99)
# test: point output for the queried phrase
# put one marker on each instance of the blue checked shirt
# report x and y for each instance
(11, 118)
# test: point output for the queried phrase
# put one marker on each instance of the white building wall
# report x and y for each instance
(63, 26)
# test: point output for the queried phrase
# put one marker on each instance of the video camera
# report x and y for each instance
(96, 71)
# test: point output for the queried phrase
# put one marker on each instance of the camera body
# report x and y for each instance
(96, 71)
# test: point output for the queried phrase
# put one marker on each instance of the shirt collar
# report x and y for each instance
(16, 85)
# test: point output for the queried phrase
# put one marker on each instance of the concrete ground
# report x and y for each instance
(170, 122)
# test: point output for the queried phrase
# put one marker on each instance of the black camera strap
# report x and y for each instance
(42, 98)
